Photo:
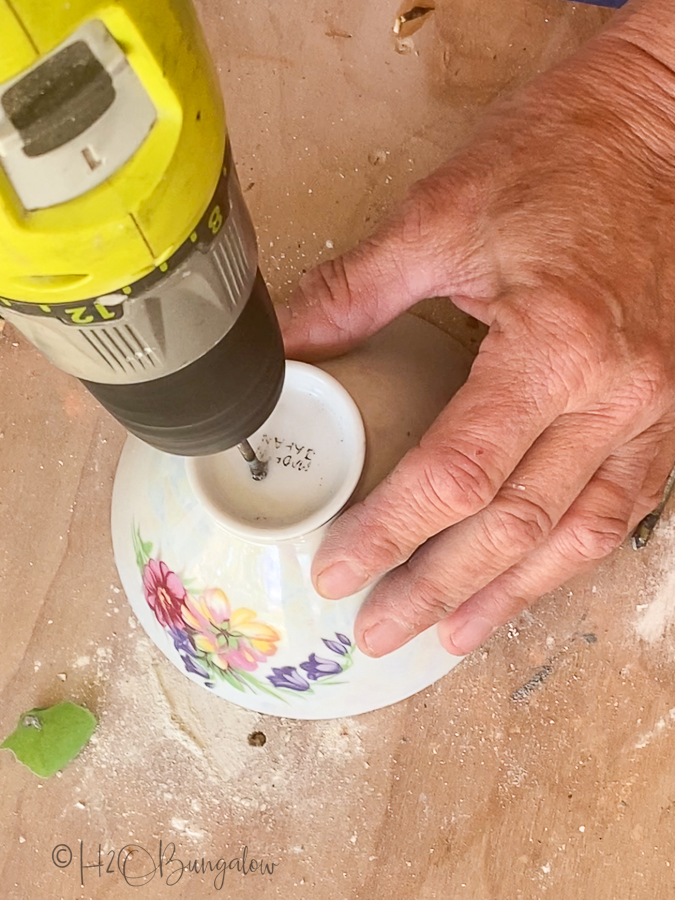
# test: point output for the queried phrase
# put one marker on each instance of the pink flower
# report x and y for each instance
(228, 638)
(164, 592)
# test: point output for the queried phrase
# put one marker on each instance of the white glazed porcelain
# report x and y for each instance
(221, 582)
(314, 444)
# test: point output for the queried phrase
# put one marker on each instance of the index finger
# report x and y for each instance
(455, 472)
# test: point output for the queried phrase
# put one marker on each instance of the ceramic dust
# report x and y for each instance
(656, 614)
(170, 748)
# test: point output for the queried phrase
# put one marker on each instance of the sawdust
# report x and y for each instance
(659, 728)
(656, 614)
(168, 746)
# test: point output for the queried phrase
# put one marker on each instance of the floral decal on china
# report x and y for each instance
(218, 643)
(315, 668)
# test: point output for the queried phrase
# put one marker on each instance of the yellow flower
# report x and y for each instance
(228, 639)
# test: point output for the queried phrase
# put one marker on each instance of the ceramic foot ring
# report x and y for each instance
(217, 566)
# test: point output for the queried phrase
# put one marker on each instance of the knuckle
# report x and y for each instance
(321, 282)
(333, 292)
(445, 203)
(644, 393)
(454, 484)
(377, 541)
(330, 283)
(593, 537)
(428, 599)
(427, 201)
(516, 529)
(384, 546)
(650, 385)
(636, 389)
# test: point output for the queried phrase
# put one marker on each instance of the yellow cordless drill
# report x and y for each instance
(127, 255)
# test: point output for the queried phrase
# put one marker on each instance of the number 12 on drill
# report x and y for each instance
(92, 312)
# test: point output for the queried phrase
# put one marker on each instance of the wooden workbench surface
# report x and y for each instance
(541, 767)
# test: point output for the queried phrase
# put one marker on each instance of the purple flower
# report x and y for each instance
(316, 667)
(335, 647)
(181, 641)
(187, 652)
(288, 677)
(343, 639)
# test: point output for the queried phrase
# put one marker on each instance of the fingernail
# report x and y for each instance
(471, 634)
(385, 637)
(340, 580)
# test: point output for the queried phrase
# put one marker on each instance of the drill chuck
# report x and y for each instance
(218, 400)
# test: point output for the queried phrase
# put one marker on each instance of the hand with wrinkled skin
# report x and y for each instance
(554, 225)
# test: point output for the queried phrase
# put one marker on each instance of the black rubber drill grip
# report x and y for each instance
(217, 401)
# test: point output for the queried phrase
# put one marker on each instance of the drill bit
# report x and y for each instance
(644, 530)
(257, 466)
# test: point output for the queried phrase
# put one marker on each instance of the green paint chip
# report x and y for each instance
(46, 740)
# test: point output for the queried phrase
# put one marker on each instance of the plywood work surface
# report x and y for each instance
(542, 767)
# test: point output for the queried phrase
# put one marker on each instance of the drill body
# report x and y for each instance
(127, 255)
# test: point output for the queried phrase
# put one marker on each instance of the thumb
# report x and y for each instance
(345, 300)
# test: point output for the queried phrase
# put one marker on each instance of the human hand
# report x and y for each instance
(555, 226)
